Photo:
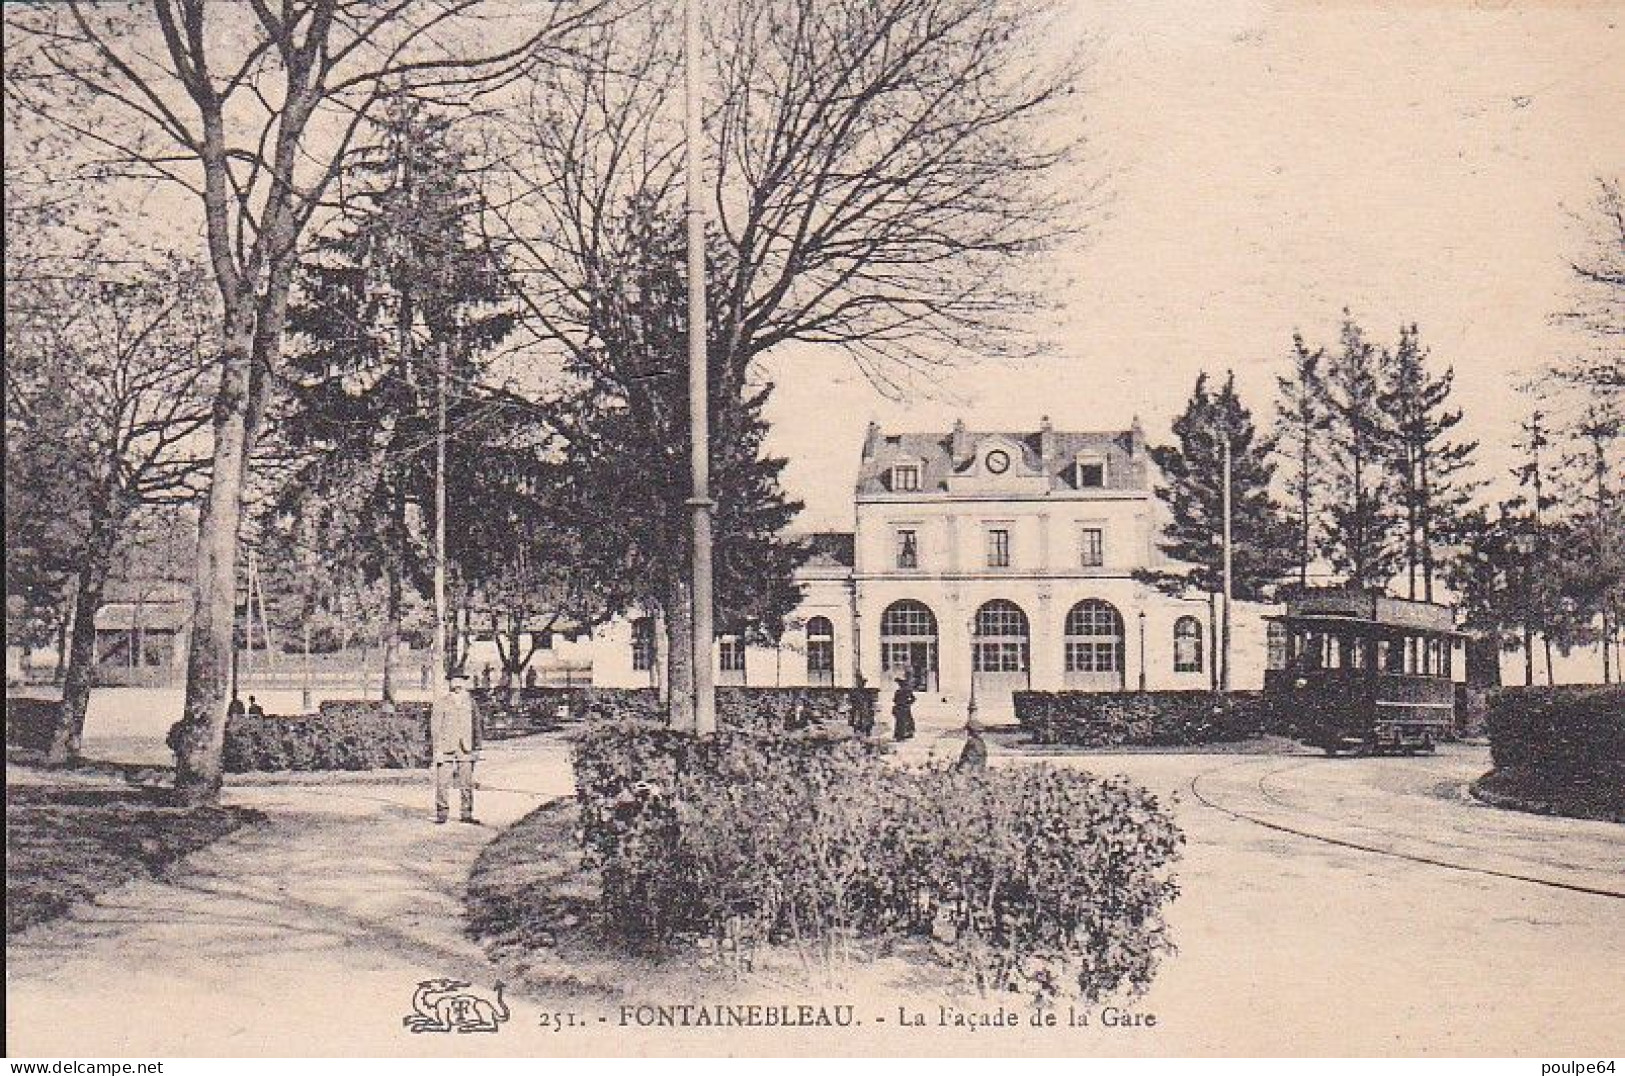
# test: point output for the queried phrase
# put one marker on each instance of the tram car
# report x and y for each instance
(1366, 673)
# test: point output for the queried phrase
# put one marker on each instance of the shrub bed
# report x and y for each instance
(1561, 746)
(1039, 879)
(1144, 718)
(30, 723)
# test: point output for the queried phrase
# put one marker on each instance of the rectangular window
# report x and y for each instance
(643, 644)
(1091, 473)
(1093, 546)
(908, 549)
(731, 653)
(905, 478)
(998, 548)
(1093, 656)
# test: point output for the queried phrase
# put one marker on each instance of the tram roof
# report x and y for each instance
(1367, 624)
(1335, 604)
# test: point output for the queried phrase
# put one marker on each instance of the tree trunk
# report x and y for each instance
(1607, 633)
(201, 733)
(70, 724)
(61, 669)
(679, 655)
(1546, 644)
(1528, 658)
(392, 624)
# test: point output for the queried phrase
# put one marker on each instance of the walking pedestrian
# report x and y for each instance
(902, 709)
(452, 747)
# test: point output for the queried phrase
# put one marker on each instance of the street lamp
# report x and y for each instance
(1142, 648)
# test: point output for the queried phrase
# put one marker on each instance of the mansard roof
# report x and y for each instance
(1052, 453)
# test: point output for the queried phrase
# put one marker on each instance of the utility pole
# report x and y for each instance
(1224, 666)
(699, 418)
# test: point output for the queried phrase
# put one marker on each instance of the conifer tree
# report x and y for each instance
(1361, 520)
(1425, 463)
(402, 278)
(624, 469)
(1192, 487)
(1300, 423)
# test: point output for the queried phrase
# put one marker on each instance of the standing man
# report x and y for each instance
(451, 746)
(902, 709)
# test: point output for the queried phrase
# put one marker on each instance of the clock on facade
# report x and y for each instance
(998, 461)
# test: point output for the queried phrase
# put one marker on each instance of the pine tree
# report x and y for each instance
(1193, 474)
(1593, 579)
(1361, 522)
(402, 277)
(1300, 424)
(1425, 463)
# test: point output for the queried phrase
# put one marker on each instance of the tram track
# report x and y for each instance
(1207, 799)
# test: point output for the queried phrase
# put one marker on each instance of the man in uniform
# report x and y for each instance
(451, 746)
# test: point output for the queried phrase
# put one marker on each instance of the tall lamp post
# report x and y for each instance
(699, 503)
(1142, 649)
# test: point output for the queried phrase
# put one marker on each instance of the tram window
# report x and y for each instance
(1391, 653)
(1356, 653)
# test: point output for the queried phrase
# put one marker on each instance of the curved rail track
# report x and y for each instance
(1207, 799)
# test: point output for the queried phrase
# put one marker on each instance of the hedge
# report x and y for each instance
(1146, 718)
(362, 734)
(1040, 879)
(342, 735)
(1563, 733)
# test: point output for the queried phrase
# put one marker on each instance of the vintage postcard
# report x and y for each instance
(557, 528)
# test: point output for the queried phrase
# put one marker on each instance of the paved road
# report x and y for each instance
(1360, 907)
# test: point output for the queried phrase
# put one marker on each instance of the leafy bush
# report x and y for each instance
(1149, 718)
(30, 723)
(343, 735)
(1564, 732)
(1039, 879)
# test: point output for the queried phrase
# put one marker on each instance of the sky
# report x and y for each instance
(1266, 166)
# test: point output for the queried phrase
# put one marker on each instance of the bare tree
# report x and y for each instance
(106, 400)
(251, 109)
(880, 170)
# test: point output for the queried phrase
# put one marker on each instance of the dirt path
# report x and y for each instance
(316, 926)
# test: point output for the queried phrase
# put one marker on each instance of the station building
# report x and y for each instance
(983, 561)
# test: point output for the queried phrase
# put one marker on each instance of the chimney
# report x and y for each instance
(961, 447)
(1046, 441)
(1136, 438)
(871, 439)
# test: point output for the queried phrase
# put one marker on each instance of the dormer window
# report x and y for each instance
(1091, 472)
(905, 478)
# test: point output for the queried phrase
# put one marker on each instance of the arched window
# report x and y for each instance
(908, 641)
(1094, 638)
(1001, 643)
(1187, 644)
(820, 650)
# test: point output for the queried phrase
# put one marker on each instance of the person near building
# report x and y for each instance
(902, 709)
(452, 748)
(254, 707)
